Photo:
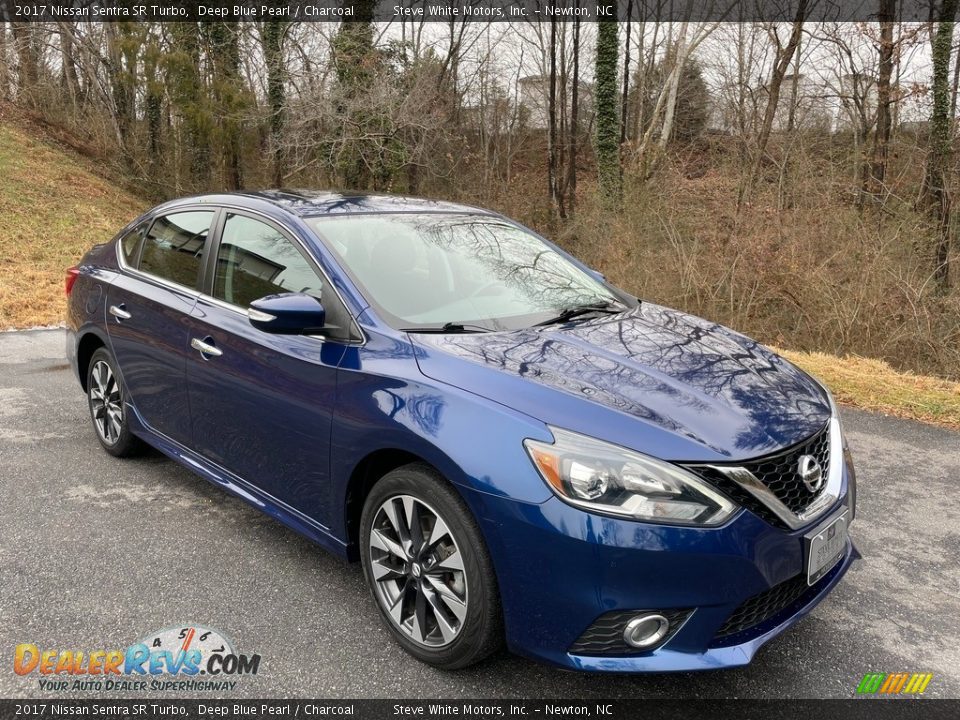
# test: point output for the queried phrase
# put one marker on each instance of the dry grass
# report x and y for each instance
(874, 385)
(52, 210)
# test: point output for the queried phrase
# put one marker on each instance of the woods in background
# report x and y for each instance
(792, 179)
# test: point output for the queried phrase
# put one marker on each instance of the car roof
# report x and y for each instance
(311, 203)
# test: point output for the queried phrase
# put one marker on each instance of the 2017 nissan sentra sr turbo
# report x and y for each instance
(514, 449)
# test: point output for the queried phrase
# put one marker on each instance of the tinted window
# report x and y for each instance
(173, 249)
(255, 260)
(130, 243)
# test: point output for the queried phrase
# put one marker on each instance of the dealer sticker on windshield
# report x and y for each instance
(825, 546)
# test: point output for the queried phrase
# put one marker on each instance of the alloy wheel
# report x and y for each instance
(418, 571)
(106, 404)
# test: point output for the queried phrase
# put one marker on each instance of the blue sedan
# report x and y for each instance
(514, 449)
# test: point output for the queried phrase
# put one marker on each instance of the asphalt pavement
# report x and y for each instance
(96, 553)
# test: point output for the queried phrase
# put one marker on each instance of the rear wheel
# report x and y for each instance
(105, 398)
(428, 569)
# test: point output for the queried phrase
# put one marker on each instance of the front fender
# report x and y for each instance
(474, 442)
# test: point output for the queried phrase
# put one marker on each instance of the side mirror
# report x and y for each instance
(287, 314)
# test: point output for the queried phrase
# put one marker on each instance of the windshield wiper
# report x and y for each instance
(448, 328)
(603, 306)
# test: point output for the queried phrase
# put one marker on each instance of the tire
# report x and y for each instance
(107, 410)
(420, 580)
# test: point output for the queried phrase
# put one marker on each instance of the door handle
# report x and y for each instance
(205, 348)
(119, 312)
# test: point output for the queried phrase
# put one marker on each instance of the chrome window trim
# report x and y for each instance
(198, 294)
(820, 505)
(222, 304)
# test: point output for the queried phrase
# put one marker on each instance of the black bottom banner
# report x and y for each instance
(859, 709)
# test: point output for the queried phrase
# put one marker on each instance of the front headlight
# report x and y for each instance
(596, 475)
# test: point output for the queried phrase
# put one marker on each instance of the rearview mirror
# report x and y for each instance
(288, 314)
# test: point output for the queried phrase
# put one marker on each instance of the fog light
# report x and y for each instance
(646, 630)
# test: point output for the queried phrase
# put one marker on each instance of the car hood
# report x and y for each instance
(652, 379)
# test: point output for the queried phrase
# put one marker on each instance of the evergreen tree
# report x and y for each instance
(272, 36)
(607, 137)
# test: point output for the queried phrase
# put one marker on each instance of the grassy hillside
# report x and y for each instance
(53, 208)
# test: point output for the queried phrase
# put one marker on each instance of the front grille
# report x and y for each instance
(605, 635)
(780, 473)
(770, 603)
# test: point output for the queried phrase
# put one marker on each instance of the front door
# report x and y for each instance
(262, 404)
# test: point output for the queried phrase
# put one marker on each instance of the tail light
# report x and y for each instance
(72, 275)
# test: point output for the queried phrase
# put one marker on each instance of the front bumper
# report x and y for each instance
(560, 569)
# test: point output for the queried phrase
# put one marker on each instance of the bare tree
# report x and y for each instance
(783, 54)
(574, 127)
(5, 73)
(659, 119)
(68, 63)
(27, 51)
(556, 203)
(552, 99)
(881, 139)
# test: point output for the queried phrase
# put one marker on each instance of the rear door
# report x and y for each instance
(147, 310)
(261, 403)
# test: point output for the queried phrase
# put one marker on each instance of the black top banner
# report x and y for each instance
(460, 10)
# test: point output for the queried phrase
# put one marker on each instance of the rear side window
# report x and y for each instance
(255, 260)
(173, 249)
(130, 244)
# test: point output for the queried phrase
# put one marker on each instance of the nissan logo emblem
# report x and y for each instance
(810, 472)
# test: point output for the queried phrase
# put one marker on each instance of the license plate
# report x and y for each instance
(825, 546)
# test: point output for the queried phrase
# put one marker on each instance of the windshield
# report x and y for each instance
(427, 271)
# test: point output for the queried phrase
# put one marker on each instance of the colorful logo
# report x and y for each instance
(894, 683)
(185, 651)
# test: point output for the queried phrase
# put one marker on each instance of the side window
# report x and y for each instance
(130, 244)
(173, 249)
(255, 260)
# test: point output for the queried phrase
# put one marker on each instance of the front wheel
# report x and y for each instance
(105, 398)
(428, 569)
